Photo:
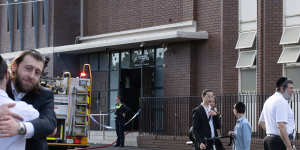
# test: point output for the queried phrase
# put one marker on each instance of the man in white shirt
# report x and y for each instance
(25, 111)
(277, 117)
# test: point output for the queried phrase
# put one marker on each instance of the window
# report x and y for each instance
(293, 74)
(246, 59)
(290, 35)
(291, 12)
(150, 54)
(125, 59)
(289, 55)
(248, 10)
(246, 40)
(248, 80)
(292, 7)
(248, 15)
(115, 61)
(134, 57)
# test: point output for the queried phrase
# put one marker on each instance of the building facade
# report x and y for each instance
(161, 48)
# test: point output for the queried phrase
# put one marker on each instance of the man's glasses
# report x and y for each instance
(209, 97)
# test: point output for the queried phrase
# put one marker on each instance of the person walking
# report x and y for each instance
(277, 117)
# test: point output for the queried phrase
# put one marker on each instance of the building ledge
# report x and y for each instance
(183, 31)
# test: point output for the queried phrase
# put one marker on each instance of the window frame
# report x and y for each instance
(284, 51)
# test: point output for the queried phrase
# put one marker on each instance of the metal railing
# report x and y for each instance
(173, 115)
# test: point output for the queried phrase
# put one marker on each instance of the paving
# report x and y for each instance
(109, 147)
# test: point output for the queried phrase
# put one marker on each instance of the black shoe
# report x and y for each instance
(121, 145)
(117, 145)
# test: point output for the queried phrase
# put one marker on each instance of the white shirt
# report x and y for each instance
(276, 109)
(28, 125)
(24, 110)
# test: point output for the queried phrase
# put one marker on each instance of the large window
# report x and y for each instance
(247, 14)
(247, 46)
(291, 12)
(290, 41)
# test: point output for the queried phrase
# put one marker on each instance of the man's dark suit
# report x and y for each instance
(43, 101)
(201, 128)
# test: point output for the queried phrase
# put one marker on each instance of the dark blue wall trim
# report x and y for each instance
(10, 15)
(46, 16)
(20, 20)
(35, 23)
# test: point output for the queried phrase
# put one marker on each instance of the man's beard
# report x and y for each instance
(287, 96)
(22, 88)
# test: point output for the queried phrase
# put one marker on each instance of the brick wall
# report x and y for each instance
(229, 55)
(208, 16)
(269, 34)
(175, 142)
(66, 21)
(114, 15)
(178, 70)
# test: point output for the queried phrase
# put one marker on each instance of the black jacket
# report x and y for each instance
(43, 101)
(201, 126)
(119, 112)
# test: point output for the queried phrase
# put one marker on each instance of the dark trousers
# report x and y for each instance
(273, 142)
(120, 132)
(209, 145)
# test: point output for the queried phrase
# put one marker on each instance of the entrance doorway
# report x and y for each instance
(131, 89)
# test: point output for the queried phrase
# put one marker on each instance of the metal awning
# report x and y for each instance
(175, 36)
(182, 31)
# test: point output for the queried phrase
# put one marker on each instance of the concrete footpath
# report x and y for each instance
(104, 147)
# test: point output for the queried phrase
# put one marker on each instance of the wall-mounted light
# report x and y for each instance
(142, 44)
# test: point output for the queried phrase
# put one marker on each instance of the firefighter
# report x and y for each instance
(120, 112)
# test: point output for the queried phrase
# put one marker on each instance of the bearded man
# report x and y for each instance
(27, 69)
